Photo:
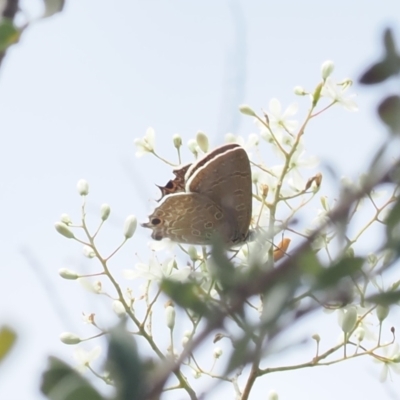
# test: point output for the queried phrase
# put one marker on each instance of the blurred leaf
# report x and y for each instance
(389, 112)
(185, 294)
(387, 67)
(7, 340)
(240, 354)
(61, 382)
(125, 365)
(223, 270)
(52, 7)
(395, 285)
(393, 218)
(346, 267)
(388, 42)
(9, 34)
(309, 264)
(385, 299)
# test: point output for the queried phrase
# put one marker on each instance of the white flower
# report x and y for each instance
(336, 92)
(156, 271)
(390, 360)
(279, 119)
(248, 145)
(84, 358)
(145, 144)
(118, 308)
(164, 244)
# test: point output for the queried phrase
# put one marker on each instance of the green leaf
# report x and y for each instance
(223, 270)
(61, 382)
(309, 264)
(389, 112)
(344, 268)
(7, 340)
(385, 299)
(53, 6)
(392, 223)
(385, 68)
(9, 34)
(186, 295)
(125, 365)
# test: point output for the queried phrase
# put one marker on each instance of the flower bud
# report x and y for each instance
(382, 312)
(327, 68)
(105, 211)
(118, 308)
(65, 218)
(170, 316)
(88, 252)
(272, 395)
(202, 141)
(230, 138)
(83, 187)
(70, 338)
(68, 274)
(196, 374)
(247, 110)
(317, 94)
(349, 319)
(264, 191)
(255, 176)
(192, 145)
(316, 337)
(130, 226)
(177, 140)
(192, 253)
(299, 91)
(63, 229)
(217, 352)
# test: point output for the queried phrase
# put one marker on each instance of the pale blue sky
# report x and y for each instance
(79, 87)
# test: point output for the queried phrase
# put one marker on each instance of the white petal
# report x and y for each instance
(275, 107)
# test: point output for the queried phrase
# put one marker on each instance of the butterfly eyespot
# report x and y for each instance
(156, 221)
(170, 185)
(208, 225)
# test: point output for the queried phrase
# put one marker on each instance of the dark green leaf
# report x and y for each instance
(241, 353)
(223, 270)
(389, 112)
(393, 218)
(346, 267)
(186, 294)
(9, 34)
(7, 340)
(388, 42)
(385, 299)
(309, 264)
(385, 68)
(125, 365)
(61, 382)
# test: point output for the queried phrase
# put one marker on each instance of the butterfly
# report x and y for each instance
(212, 196)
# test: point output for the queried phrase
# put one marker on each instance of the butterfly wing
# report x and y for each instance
(189, 218)
(225, 179)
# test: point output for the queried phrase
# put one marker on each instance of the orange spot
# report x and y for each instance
(280, 250)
